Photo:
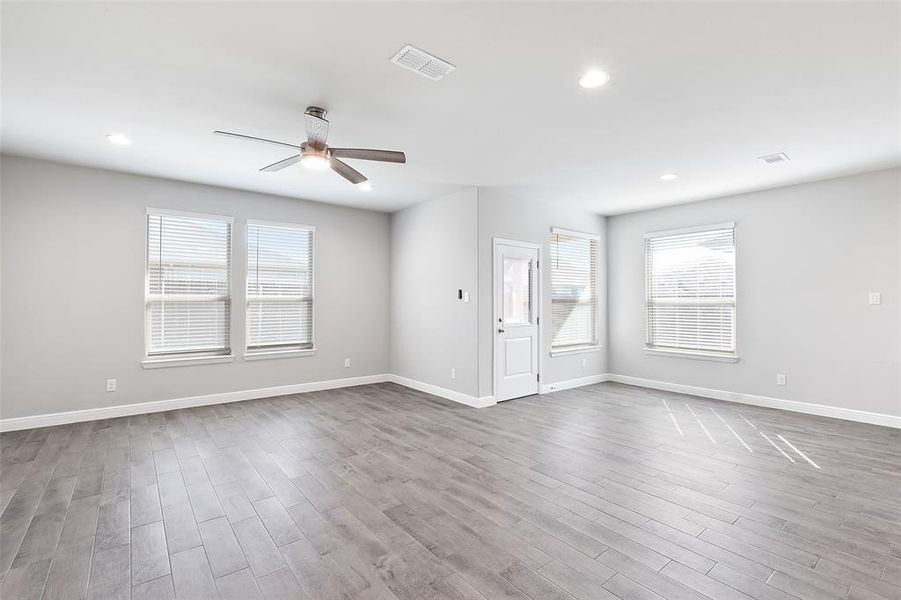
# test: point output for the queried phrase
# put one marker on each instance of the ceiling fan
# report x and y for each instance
(316, 154)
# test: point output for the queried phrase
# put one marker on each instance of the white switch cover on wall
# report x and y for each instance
(453, 373)
(875, 298)
(111, 385)
(780, 378)
(465, 296)
(346, 363)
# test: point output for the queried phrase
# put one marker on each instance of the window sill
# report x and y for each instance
(693, 355)
(576, 350)
(279, 354)
(161, 363)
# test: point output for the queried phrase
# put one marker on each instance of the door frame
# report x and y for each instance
(495, 271)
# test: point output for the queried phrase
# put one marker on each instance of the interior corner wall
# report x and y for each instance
(502, 215)
(434, 254)
(73, 246)
(806, 258)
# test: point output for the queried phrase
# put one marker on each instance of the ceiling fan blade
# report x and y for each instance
(317, 130)
(391, 156)
(347, 172)
(241, 136)
(278, 166)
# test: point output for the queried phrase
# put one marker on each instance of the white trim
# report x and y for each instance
(692, 354)
(124, 410)
(263, 355)
(193, 215)
(110, 412)
(687, 230)
(822, 410)
(435, 390)
(574, 233)
(568, 384)
(576, 350)
(508, 242)
(281, 224)
(185, 361)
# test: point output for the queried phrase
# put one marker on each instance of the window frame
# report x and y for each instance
(649, 349)
(167, 359)
(594, 345)
(287, 351)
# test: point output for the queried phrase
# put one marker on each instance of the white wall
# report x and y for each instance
(807, 256)
(73, 243)
(434, 253)
(511, 217)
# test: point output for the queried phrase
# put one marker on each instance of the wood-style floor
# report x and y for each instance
(381, 492)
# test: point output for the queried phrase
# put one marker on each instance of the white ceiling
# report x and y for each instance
(697, 88)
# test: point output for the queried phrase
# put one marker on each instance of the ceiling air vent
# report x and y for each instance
(422, 63)
(772, 159)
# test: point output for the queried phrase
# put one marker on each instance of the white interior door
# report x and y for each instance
(516, 315)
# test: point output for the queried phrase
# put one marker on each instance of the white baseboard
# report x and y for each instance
(574, 383)
(125, 410)
(435, 390)
(821, 410)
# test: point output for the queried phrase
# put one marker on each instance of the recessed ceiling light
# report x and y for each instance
(365, 186)
(119, 139)
(771, 159)
(593, 79)
(669, 176)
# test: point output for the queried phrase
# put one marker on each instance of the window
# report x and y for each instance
(187, 285)
(691, 290)
(574, 275)
(279, 287)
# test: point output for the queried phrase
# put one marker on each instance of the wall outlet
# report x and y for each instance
(465, 296)
(346, 363)
(453, 373)
(111, 385)
(875, 298)
(584, 362)
(780, 378)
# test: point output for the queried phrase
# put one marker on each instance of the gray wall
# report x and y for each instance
(807, 256)
(511, 217)
(73, 276)
(434, 253)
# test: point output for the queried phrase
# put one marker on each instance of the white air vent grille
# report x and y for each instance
(422, 63)
(773, 158)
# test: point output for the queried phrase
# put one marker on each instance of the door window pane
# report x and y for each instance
(517, 291)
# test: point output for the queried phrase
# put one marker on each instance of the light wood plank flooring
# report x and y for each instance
(607, 491)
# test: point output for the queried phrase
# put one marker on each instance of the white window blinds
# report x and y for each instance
(691, 290)
(279, 287)
(187, 285)
(574, 275)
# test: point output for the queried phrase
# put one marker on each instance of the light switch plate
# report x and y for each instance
(111, 385)
(875, 298)
(780, 378)
(465, 296)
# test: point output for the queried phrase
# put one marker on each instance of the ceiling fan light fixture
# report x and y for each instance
(316, 162)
